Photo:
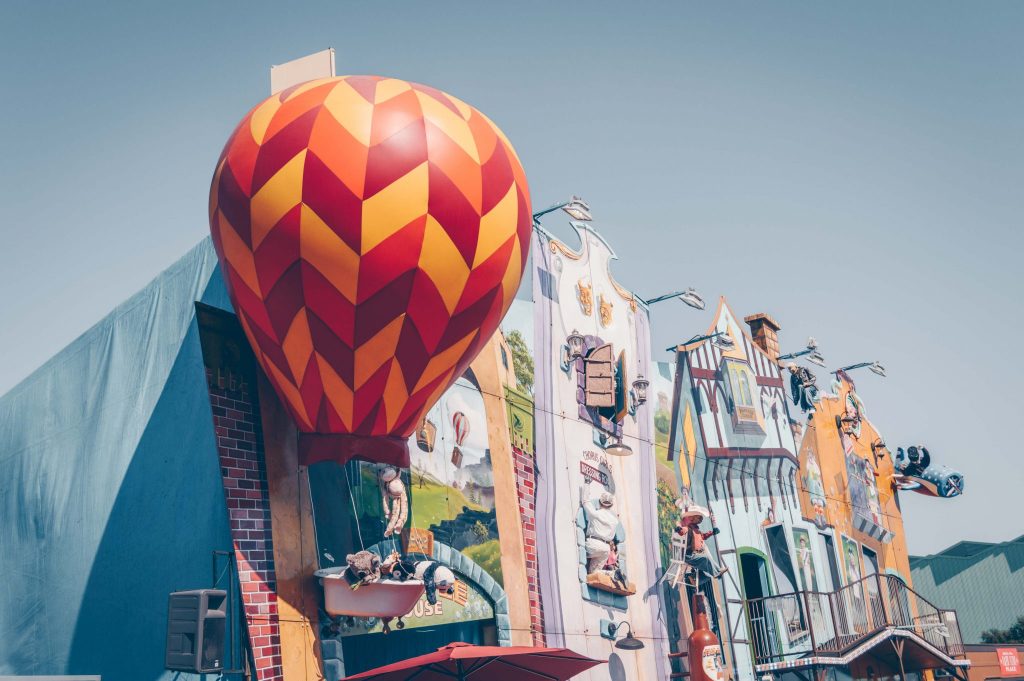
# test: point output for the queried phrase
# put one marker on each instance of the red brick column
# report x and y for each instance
(526, 481)
(240, 444)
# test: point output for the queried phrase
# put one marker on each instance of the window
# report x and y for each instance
(504, 357)
(741, 387)
(791, 607)
(599, 374)
(833, 566)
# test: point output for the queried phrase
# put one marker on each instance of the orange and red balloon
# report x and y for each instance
(372, 233)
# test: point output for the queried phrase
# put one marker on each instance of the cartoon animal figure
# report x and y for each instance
(434, 575)
(364, 567)
(395, 500)
(585, 294)
(605, 311)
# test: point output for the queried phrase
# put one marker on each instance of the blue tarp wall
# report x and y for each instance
(110, 487)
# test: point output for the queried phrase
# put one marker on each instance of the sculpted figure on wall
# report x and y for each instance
(803, 387)
(585, 296)
(605, 311)
(602, 523)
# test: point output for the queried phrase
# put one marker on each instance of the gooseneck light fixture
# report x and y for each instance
(627, 642)
(689, 296)
(810, 352)
(576, 208)
(875, 367)
(721, 339)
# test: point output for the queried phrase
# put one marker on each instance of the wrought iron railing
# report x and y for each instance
(806, 623)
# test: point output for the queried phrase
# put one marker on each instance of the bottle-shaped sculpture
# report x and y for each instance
(705, 654)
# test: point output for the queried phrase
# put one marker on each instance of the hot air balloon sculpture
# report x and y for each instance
(460, 425)
(372, 233)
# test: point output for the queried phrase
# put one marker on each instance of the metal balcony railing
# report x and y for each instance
(814, 623)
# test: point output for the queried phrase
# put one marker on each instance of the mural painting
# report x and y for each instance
(851, 560)
(804, 556)
(594, 454)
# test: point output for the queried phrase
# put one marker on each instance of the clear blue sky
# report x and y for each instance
(855, 170)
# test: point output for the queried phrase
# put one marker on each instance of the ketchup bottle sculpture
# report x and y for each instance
(705, 654)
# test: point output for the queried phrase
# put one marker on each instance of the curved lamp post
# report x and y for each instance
(875, 367)
(810, 352)
(627, 642)
(576, 208)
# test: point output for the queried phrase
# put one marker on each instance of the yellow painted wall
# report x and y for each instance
(822, 437)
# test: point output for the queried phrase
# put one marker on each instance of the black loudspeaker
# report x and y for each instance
(196, 630)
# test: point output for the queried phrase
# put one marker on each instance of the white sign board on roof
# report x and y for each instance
(301, 70)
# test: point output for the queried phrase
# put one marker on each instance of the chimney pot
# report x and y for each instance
(765, 332)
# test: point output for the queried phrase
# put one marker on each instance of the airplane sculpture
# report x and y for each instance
(914, 472)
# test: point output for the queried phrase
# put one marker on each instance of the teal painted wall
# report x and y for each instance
(983, 582)
(111, 489)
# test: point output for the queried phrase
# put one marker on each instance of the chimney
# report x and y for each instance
(765, 332)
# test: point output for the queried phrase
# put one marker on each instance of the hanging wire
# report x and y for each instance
(355, 510)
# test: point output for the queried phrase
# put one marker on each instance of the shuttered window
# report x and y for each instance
(599, 369)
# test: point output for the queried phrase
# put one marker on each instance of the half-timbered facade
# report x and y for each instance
(732, 443)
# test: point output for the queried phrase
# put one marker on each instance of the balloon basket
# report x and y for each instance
(386, 598)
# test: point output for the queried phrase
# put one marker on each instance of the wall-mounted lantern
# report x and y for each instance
(572, 349)
(627, 642)
(638, 394)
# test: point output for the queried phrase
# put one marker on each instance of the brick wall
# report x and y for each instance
(526, 481)
(240, 444)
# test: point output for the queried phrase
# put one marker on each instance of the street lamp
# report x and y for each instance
(875, 367)
(628, 642)
(576, 208)
(689, 296)
(721, 339)
(810, 352)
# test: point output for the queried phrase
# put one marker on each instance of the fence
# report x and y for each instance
(829, 623)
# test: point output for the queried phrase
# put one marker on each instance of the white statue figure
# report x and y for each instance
(395, 500)
(602, 522)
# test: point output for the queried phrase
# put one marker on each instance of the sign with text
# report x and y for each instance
(591, 473)
(1009, 661)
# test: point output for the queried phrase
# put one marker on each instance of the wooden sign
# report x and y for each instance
(460, 595)
(594, 474)
(417, 540)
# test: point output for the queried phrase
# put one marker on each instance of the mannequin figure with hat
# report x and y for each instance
(698, 555)
(602, 523)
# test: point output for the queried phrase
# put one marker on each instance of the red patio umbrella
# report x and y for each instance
(465, 662)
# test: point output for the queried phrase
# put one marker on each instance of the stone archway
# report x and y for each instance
(464, 567)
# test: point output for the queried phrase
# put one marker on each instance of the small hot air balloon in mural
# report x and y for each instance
(460, 425)
(425, 435)
(372, 233)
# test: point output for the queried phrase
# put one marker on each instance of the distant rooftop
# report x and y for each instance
(982, 581)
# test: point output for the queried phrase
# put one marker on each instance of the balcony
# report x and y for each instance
(810, 628)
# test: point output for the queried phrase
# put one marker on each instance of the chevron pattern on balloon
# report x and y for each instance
(372, 232)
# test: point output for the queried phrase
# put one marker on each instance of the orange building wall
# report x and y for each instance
(822, 437)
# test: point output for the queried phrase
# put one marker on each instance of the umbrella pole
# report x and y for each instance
(462, 675)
